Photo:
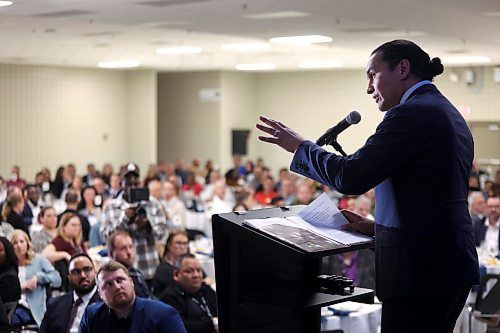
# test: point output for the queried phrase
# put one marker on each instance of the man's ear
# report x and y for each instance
(404, 68)
(176, 275)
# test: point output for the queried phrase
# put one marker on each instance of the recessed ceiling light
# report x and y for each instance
(6, 3)
(301, 40)
(119, 64)
(178, 50)
(245, 47)
(256, 67)
(275, 15)
(466, 60)
(320, 64)
(396, 33)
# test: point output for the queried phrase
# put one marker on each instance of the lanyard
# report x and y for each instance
(204, 307)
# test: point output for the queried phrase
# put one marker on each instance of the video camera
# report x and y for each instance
(139, 195)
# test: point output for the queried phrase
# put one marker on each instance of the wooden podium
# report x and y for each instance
(266, 285)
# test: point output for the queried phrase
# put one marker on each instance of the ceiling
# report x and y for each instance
(82, 33)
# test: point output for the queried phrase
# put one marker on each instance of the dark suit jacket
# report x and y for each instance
(480, 230)
(58, 311)
(17, 222)
(421, 152)
(194, 318)
(147, 316)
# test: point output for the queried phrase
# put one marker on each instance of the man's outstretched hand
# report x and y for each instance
(358, 223)
(281, 135)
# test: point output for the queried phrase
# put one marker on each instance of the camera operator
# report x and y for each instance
(142, 218)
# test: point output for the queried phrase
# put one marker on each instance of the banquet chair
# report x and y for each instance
(487, 306)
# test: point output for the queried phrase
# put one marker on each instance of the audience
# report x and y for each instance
(121, 248)
(48, 220)
(12, 209)
(147, 223)
(195, 301)
(133, 238)
(176, 245)
(15, 178)
(10, 288)
(36, 274)
(122, 310)
(64, 313)
(175, 210)
(66, 244)
(487, 233)
(32, 206)
(72, 199)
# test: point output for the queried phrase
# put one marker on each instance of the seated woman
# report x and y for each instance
(10, 288)
(12, 209)
(48, 219)
(68, 242)
(35, 275)
(176, 245)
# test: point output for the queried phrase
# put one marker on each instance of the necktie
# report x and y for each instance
(73, 312)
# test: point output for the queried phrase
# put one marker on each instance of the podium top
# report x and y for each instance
(236, 220)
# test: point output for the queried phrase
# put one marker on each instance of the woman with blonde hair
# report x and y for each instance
(67, 243)
(35, 274)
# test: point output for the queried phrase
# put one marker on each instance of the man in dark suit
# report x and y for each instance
(419, 161)
(122, 311)
(195, 301)
(64, 313)
(486, 230)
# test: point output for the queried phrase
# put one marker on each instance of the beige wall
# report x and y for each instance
(51, 116)
(188, 127)
(142, 119)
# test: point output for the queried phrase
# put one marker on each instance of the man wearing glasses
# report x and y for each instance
(65, 312)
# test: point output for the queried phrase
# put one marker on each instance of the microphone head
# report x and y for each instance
(353, 118)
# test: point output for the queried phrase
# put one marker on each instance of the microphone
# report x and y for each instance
(331, 135)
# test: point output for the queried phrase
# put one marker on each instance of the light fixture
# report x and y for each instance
(242, 47)
(256, 67)
(6, 3)
(320, 64)
(301, 40)
(178, 50)
(275, 15)
(466, 60)
(119, 64)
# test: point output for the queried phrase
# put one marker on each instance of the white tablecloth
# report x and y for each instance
(365, 319)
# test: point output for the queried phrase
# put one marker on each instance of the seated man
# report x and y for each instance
(122, 311)
(121, 248)
(65, 312)
(195, 301)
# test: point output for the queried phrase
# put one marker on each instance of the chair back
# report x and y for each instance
(10, 308)
(488, 295)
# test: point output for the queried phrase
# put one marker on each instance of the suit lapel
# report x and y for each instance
(138, 316)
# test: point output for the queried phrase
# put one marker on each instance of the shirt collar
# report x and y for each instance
(85, 298)
(487, 223)
(412, 89)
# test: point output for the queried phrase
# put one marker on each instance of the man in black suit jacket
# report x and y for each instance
(486, 230)
(419, 161)
(63, 309)
(195, 301)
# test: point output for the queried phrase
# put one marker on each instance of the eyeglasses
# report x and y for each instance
(181, 244)
(78, 271)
